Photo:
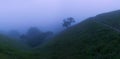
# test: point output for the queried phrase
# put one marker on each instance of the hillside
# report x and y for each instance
(11, 48)
(95, 38)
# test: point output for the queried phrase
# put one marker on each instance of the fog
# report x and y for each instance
(48, 14)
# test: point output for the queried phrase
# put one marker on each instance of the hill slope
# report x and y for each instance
(95, 38)
(11, 48)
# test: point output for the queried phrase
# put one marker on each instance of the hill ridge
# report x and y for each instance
(108, 26)
(94, 38)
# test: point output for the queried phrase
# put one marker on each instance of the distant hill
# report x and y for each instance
(95, 38)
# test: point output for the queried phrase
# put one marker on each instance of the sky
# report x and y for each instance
(48, 14)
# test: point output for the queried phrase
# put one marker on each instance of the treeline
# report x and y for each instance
(33, 37)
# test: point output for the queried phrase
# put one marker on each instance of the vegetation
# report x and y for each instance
(94, 38)
(67, 22)
(87, 40)
(11, 48)
(35, 37)
(91, 42)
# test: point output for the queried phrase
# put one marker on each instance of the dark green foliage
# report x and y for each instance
(112, 18)
(11, 48)
(90, 39)
(34, 37)
(87, 40)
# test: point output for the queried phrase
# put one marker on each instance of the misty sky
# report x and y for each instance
(48, 14)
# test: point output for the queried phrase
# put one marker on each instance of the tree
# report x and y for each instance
(33, 31)
(67, 22)
(34, 36)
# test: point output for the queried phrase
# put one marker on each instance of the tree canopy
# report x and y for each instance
(67, 22)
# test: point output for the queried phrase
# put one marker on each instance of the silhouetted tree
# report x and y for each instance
(67, 22)
(33, 31)
(35, 37)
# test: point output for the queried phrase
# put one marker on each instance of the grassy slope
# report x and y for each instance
(12, 49)
(87, 40)
(112, 18)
